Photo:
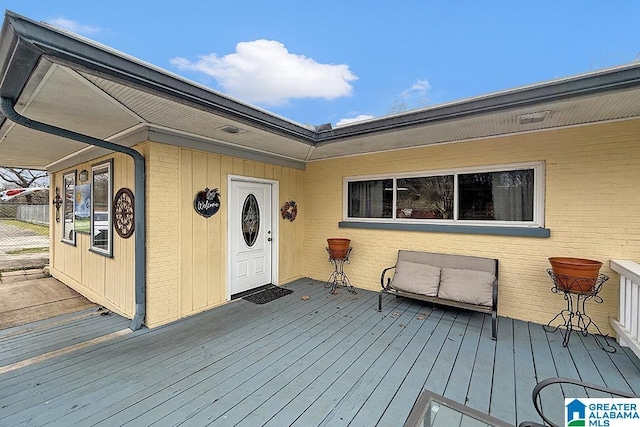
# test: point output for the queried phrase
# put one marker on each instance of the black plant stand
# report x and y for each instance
(339, 277)
(574, 317)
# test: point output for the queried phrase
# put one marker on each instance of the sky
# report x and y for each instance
(317, 62)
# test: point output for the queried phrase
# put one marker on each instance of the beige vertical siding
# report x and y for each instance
(187, 253)
(592, 204)
(106, 281)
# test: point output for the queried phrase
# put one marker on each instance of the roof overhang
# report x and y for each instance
(74, 83)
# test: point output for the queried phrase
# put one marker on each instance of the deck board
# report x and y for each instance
(264, 375)
(301, 366)
(23, 346)
(463, 367)
(408, 392)
(331, 360)
(374, 407)
(478, 391)
(551, 403)
(586, 368)
(307, 408)
(525, 374)
(373, 377)
(503, 402)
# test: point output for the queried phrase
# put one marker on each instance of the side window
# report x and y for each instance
(68, 207)
(101, 207)
(507, 195)
(429, 197)
(497, 196)
(370, 199)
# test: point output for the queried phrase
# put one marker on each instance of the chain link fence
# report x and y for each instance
(24, 236)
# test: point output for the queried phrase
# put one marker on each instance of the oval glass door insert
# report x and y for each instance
(250, 220)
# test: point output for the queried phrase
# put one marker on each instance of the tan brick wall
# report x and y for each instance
(592, 200)
(162, 171)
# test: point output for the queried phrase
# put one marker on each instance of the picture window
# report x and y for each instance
(508, 195)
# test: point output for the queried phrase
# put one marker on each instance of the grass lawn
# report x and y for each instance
(43, 230)
(29, 251)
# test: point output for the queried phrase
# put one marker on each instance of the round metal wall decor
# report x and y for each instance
(123, 213)
(207, 202)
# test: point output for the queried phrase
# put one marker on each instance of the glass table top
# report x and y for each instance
(433, 410)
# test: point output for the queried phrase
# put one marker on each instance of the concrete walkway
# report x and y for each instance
(30, 295)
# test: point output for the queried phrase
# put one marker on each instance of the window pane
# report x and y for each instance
(371, 199)
(101, 208)
(500, 196)
(425, 197)
(67, 207)
(250, 220)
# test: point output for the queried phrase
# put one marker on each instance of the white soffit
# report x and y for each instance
(570, 112)
(26, 148)
(67, 100)
(166, 113)
(63, 99)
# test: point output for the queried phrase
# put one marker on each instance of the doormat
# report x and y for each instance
(267, 295)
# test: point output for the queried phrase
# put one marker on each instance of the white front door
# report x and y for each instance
(250, 235)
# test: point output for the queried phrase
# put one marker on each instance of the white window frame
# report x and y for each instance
(538, 202)
(65, 238)
(95, 168)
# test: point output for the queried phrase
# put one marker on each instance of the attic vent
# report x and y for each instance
(525, 119)
(231, 129)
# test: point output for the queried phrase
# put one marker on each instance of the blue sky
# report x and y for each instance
(317, 62)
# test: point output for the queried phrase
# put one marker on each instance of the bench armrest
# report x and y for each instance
(382, 277)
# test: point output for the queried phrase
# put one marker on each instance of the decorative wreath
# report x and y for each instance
(289, 210)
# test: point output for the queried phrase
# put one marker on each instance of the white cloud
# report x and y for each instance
(265, 72)
(414, 97)
(418, 91)
(74, 27)
(359, 118)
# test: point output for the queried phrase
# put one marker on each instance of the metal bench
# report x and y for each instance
(460, 281)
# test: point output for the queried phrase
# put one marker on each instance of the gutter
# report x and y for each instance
(7, 107)
(80, 53)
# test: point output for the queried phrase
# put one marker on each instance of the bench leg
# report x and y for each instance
(380, 301)
(494, 326)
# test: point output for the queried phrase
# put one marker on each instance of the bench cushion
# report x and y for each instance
(416, 278)
(470, 286)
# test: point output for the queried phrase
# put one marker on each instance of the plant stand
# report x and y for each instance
(339, 277)
(574, 317)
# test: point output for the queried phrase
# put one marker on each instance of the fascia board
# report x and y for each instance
(78, 53)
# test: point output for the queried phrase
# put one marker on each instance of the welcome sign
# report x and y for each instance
(207, 202)
(617, 412)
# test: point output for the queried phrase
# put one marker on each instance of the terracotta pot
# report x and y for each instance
(576, 275)
(338, 247)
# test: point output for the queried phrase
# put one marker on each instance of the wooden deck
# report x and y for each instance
(329, 360)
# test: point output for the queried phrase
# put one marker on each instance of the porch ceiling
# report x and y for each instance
(73, 83)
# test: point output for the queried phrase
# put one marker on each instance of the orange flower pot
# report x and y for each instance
(338, 247)
(577, 275)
